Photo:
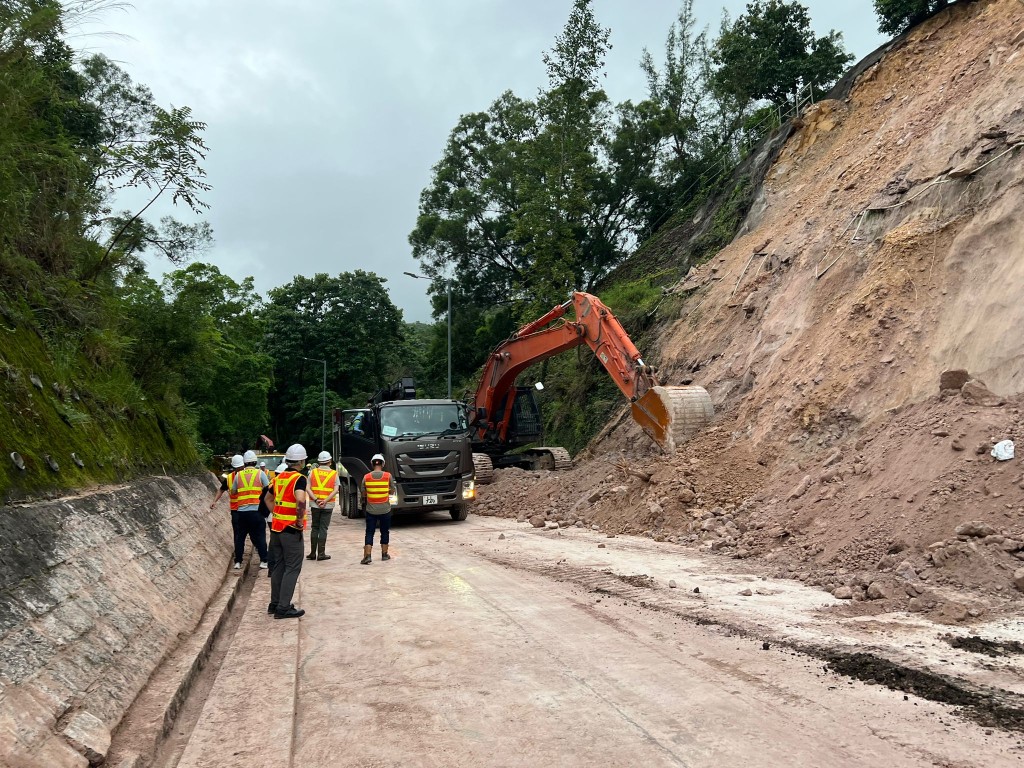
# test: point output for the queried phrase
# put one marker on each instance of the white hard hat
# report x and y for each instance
(263, 465)
(249, 457)
(324, 457)
(282, 467)
(236, 461)
(295, 453)
(377, 457)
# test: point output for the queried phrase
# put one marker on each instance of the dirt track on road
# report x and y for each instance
(541, 648)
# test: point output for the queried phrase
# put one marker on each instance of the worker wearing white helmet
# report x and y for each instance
(237, 463)
(378, 489)
(286, 526)
(249, 485)
(324, 487)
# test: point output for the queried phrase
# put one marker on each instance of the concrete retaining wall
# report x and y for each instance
(94, 591)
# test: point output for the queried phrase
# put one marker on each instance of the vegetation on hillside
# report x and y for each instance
(108, 372)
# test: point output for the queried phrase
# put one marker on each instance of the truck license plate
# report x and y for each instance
(430, 499)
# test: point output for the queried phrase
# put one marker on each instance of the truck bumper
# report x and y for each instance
(463, 493)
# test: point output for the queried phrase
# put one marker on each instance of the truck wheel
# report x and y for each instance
(460, 512)
(353, 506)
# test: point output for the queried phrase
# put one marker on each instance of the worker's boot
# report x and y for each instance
(367, 549)
(312, 549)
(384, 552)
(321, 544)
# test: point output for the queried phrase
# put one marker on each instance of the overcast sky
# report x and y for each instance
(325, 116)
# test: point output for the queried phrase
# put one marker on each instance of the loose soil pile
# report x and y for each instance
(882, 259)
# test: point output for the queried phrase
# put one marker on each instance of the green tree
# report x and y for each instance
(350, 322)
(896, 16)
(143, 146)
(770, 52)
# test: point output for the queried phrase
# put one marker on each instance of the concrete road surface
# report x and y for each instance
(467, 649)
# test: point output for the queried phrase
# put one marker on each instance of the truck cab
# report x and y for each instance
(426, 448)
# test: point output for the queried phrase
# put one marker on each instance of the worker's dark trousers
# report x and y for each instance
(318, 529)
(287, 549)
(270, 553)
(249, 523)
(372, 522)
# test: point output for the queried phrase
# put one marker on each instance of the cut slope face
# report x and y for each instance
(883, 249)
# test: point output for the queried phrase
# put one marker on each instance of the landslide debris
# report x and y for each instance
(861, 342)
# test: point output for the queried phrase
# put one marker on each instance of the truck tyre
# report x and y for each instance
(353, 506)
(460, 512)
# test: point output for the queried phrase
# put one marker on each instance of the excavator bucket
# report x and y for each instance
(672, 415)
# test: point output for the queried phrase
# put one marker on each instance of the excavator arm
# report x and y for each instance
(667, 414)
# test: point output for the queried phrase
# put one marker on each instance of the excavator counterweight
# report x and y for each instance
(502, 421)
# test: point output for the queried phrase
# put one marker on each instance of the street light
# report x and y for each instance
(448, 290)
(323, 413)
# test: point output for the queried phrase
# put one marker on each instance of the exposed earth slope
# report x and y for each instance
(883, 249)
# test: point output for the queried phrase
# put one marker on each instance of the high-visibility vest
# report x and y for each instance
(321, 481)
(285, 505)
(249, 487)
(232, 496)
(378, 489)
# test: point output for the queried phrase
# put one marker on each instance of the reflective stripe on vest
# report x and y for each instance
(377, 490)
(284, 501)
(232, 496)
(249, 487)
(322, 482)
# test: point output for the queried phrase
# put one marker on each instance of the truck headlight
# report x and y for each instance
(393, 498)
(469, 489)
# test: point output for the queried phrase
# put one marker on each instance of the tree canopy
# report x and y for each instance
(896, 16)
(770, 52)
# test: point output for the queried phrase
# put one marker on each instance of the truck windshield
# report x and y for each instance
(419, 420)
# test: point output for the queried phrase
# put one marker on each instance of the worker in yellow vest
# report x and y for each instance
(225, 487)
(249, 486)
(286, 525)
(378, 490)
(324, 486)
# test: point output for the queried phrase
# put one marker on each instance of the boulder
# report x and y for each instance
(954, 378)
(877, 591)
(842, 593)
(976, 393)
(1018, 579)
(975, 529)
(537, 521)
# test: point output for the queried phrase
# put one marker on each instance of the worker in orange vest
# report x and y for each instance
(286, 525)
(225, 487)
(378, 489)
(324, 486)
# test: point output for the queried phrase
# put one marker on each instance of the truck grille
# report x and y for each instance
(428, 464)
(420, 487)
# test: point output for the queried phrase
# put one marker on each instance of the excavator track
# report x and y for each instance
(483, 468)
(672, 415)
(561, 458)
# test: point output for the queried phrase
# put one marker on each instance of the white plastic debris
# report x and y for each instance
(1003, 450)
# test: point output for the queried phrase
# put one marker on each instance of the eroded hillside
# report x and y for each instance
(882, 250)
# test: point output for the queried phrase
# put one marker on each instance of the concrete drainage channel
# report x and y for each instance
(157, 727)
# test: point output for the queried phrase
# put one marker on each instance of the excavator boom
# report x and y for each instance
(668, 414)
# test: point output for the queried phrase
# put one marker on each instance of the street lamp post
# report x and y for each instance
(448, 290)
(323, 412)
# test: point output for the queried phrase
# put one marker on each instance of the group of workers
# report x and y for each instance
(290, 501)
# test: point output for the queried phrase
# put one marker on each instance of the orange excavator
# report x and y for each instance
(505, 417)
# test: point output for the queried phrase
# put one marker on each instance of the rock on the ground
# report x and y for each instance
(602, 546)
(501, 535)
(877, 591)
(88, 735)
(537, 521)
(953, 379)
(746, 592)
(801, 488)
(976, 529)
(551, 525)
(1018, 579)
(671, 584)
(976, 393)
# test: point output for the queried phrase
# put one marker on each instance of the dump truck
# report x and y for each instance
(425, 444)
(505, 422)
